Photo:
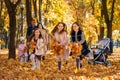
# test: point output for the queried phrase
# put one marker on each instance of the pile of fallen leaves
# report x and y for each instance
(32, 45)
(14, 70)
(56, 48)
(75, 48)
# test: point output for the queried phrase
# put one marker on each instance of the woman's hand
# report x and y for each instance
(41, 47)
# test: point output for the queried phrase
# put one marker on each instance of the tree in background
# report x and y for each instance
(108, 17)
(1, 19)
(11, 6)
(40, 10)
(116, 20)
(35, 7)
(28, 11)
(80, 8)
(50, 12)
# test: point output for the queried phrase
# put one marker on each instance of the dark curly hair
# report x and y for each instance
(77, 25)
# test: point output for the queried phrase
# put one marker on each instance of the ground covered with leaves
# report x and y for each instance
(14, 70)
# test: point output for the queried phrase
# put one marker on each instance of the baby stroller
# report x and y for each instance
(101, 53)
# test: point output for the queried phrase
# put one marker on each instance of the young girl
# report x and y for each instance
(60, 35)
(22, 50)
(45, 37)
(38, 50)
(78, 36)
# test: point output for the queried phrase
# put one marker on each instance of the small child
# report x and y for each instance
(77, 35)
(22, 50)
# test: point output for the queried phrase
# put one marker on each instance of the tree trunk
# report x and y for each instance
(12, 15)
(12, 47)
(28, 12)
(101, 26)
(93, 6)
(35, 7)
(40, 10)
(45, 21)
(108, 19)
(46, 11)
(109, 30)
(22, 22)
(0, 9)
(6, 40)
(0, 20)
(101, 32)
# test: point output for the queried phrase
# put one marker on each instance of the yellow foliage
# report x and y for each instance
(2, 42)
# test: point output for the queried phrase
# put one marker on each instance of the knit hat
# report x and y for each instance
(21, 38)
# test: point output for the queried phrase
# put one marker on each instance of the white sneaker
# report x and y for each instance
(33, 67)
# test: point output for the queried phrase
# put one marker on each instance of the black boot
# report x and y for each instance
(43, 57)
(81, 57)
(71, 54)
(59, 65)
(78, 64)
(66, 62)
(28, 58)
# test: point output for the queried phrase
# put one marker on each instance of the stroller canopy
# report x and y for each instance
(105, 43)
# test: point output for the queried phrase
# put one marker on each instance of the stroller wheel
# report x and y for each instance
(108, 63)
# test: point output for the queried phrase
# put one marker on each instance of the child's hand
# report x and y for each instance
(41, 47)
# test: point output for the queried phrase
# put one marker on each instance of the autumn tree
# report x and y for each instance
(35, 8)
(108, 17)
(1, 20)
(3, 24)
(97, 11)
(55, 11)
(11, 6)
(40, 10)
(116, 20)
(46, 11)
(28, 12)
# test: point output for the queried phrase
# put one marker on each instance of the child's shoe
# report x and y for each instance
(33, 67)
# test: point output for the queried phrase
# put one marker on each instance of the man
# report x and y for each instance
(30, 30)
